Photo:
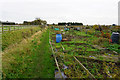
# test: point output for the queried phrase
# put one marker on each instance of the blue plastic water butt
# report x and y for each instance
(58, 38)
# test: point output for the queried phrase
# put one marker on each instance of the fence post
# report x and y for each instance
(2, 28)
(9, 28)
(14, 28)
(18, 27)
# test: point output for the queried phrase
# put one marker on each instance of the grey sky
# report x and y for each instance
(86, 11)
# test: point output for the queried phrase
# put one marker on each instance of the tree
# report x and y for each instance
(37, 21)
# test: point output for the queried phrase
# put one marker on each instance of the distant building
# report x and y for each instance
(119, 13)
(70, 24)
(7, 23)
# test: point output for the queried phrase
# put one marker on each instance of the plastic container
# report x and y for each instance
(57, 29)
(58, 38)
(78, 28)
(66, 29)
(62, 30)
(115, 37)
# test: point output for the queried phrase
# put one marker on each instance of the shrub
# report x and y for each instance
(96, 27)
(91, 32)
(100, 41)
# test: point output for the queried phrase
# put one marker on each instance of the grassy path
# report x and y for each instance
(31, 59)
(44, 67)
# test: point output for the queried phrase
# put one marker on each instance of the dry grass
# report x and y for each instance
(26, 59)
(22, 49)
(24, 42)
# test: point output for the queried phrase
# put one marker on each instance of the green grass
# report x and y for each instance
(12, 37)
(31, 60)
(114, 47)
(6, 28)
(44, 58)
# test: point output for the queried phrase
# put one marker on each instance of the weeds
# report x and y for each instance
(17, 36)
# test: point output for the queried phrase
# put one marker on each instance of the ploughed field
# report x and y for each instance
(85, 53)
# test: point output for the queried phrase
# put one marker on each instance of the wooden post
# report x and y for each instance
(17, 27)
(9, 28)
(55, 57)
(2, 28)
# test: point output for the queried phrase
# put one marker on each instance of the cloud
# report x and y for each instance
(86, 11)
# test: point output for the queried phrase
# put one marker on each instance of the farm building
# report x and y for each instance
(7, 23)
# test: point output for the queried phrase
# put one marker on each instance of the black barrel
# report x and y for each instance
(115, 37)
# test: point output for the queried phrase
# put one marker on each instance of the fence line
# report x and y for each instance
(4, 28)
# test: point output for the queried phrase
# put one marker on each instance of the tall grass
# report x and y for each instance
(12, 37)
(31, 59)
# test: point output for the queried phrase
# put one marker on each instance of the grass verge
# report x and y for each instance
(31, 60)
(13, 37)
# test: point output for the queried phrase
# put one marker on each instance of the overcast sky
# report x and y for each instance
(54, 11)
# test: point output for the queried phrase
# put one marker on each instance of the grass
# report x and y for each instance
(13, 37)
(114, 47)
(7, 28)
(47, 68)
(31, 60)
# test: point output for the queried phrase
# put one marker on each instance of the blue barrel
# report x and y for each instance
(115, 37)
(58, 38)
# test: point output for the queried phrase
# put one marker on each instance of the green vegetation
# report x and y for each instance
(91, 49)
(114, 47)
(37, 21)
(31, 59)
(12, 28)
(13, 37)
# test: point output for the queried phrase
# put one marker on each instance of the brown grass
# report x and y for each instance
(8, 59)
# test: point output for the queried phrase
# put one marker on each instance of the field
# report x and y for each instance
(24, 59)
(84, 53)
